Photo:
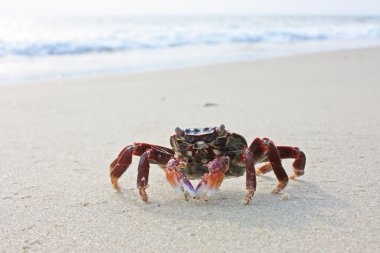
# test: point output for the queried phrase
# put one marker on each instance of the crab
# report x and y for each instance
(209, 154)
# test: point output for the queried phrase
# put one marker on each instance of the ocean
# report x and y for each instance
(59, 47)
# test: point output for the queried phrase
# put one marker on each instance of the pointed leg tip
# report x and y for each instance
(280, 186)
(296, 173)
(245, 202)
(248, 197)
(115, 185)
(143, 194)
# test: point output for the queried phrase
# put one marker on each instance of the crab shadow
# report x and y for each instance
(307, 204)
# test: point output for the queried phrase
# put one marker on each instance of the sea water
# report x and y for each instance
(58, 47)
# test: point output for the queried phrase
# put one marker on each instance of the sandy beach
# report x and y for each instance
(58, 138)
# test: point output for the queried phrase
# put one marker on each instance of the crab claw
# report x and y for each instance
(176, 179)
(180, 183)
(212, 181)
(187, 187)
(176, 164)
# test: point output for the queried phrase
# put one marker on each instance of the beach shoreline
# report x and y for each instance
(111, 74)
(66, 47)
(58, 138)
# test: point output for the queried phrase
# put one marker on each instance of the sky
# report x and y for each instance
(157, 7)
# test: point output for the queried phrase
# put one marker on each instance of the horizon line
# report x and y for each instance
(188, 14)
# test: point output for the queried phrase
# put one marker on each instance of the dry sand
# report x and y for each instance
(57, 139)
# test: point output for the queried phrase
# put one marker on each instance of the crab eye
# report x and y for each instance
(189, 138)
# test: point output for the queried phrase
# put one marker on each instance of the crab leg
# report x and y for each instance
(149, 154)
(267, 167)
(143, 174)
(299, 162)
(285, 153)
(121, 164)
(250, 175)
(212, 181)
(265, 150)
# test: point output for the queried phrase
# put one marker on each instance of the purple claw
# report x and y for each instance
(188, 187)
(201, 187)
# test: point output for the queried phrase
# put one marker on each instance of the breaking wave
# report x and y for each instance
(60, 36)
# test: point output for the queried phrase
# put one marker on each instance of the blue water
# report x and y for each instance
(127, 44)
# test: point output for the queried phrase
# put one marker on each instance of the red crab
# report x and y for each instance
(209, 154)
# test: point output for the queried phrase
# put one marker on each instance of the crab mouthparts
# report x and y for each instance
(200, 145)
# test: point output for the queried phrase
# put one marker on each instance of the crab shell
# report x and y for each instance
(199, 146)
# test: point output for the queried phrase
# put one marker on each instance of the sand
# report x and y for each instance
(57, 139)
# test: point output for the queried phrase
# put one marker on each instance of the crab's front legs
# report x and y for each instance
(212, 180)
